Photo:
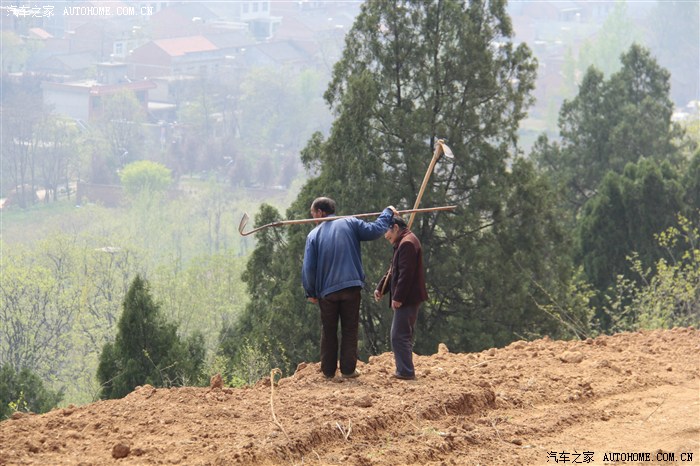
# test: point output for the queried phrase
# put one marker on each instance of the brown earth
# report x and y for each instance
(531, 403)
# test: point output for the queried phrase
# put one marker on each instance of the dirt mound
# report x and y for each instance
(539, 402)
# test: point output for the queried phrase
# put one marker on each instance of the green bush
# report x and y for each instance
(667, 295)
(24, 391)
(145, 176)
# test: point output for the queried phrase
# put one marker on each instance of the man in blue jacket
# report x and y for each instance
(332, 276)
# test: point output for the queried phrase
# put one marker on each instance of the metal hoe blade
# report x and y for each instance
(244, 222)
(447, 152)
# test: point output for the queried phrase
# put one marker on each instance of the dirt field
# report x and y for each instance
(611, 400)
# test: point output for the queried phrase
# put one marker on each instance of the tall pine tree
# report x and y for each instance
(411, 72)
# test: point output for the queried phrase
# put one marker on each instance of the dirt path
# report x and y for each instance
(612, 400)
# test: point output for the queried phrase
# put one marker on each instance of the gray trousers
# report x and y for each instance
(402, 338)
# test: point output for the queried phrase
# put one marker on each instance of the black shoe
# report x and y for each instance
(329, 377)
(404, 377)
(355, 373)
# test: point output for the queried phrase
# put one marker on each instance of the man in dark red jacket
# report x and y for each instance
(406, 292)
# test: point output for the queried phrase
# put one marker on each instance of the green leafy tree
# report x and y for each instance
(14, 52)
(621, 170)
(667, 296)
(23, 390)
(147, 349)
(145, 177)
(413, 71)
(202, 294)
(285, 335)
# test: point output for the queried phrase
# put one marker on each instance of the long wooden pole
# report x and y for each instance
(436, 156)
(244, 220)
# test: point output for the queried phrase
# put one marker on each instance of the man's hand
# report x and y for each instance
(312, 300)
(393, 209)
(396, 304)
(377, 296)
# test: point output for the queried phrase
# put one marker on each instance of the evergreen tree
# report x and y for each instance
(413, 71)
(618, 169)
(23, 390)
(147, 349)
(609, 124)
(624, 218)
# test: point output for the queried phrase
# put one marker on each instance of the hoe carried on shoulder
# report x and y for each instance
(440, 149)
(244, 220)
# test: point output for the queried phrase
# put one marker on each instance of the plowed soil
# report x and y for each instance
(538, 402)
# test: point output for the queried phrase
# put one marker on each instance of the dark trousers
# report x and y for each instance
(402, 338)
(343, 306)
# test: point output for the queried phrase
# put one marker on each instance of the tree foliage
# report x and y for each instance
(413, 71)
(145, 177)
(38, 305)
(616, 35)
(118, 137)
(609, 124)
(281, 332)
(22, 115)
(147, 348)
(23, 390)
(629, 210)
(667, 295)
(623, 172)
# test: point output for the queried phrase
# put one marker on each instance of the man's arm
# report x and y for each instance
(308, 269)
(368, 231)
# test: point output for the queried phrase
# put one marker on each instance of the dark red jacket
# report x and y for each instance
(407, 284)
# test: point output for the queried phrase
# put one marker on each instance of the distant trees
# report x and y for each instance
(673, 29)
(248, 124)
(117, 136)
(615, 36)
(621, 169)
(22, 114)
(39, 148)
(58, 160)
(609, 124)
(39, 304)
(147, 349)
(62, 294)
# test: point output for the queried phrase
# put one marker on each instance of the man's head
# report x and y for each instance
(322, 207)
(397, 225)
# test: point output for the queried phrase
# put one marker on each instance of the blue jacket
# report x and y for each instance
(332, 256)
